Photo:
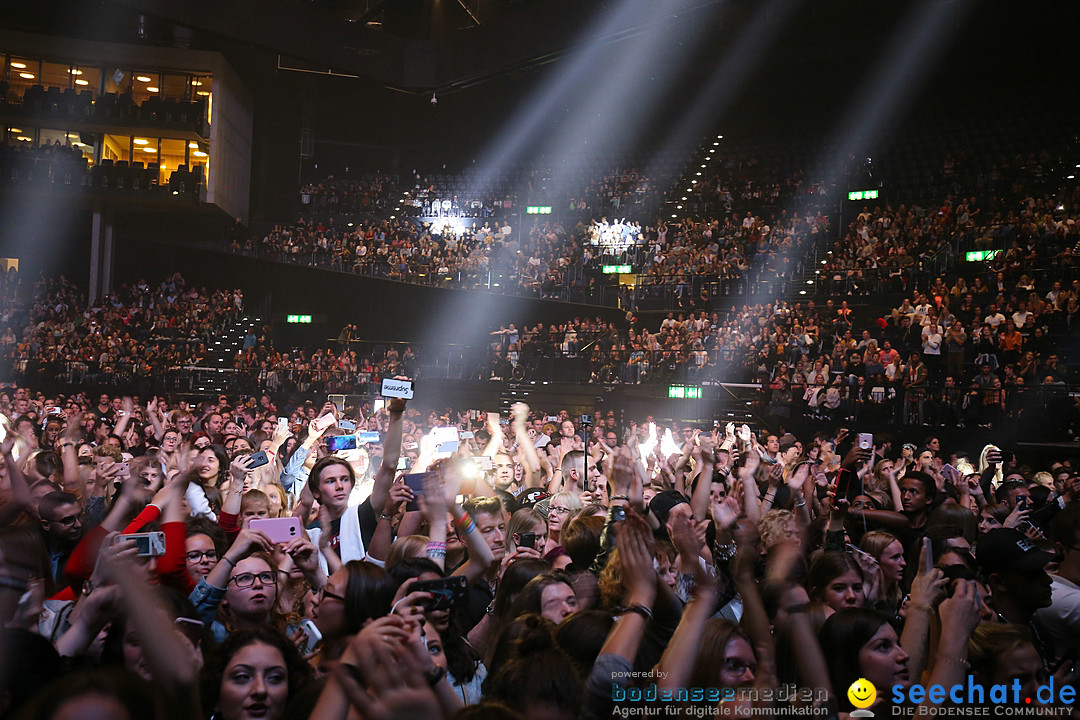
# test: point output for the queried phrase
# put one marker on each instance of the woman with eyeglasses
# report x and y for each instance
(559, 508)
(354, 595)
(251, 595)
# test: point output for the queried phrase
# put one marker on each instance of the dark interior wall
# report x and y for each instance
(47, 234)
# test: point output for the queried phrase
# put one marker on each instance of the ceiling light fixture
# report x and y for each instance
(141, 141)
(73, 71)
(151, 88)
(80, 81)
(143, 78)
(27, 76)
(18, 65)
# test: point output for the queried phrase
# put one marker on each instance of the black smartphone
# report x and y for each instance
(528, 539)
(843, 483)
(415, 482)
(449, 592)
(258, 459)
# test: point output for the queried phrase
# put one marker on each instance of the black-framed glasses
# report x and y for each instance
(70, 520)
(735, 666)
(324, 593)
(246, 580)
(198, 555)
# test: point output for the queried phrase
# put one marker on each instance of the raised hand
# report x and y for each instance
(725, 511)
(636, 558)
(387, 681)
(928, 587)
(239, 468)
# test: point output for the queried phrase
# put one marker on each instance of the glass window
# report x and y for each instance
(172, 156)
(146, 85)
(175, 86)
(24, 73)
(86, 78)
(203, 85)
(118, 147)
(117, 80)
(199, 156)
(56, 75)
(20, 134)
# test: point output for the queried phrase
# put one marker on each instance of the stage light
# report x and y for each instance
(73, 71)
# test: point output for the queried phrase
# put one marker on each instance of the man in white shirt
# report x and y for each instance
(993, 317)
(1060, 623)
(1020, 317)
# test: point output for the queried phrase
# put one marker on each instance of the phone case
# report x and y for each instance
(279, 530)
(449, 592)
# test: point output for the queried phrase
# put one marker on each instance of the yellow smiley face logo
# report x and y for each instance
(862, 693)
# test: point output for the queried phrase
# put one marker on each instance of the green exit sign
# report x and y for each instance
(684, 392)
(615, 269)
(980, 255)
(538, 210)
(303, 319)
(863, 195)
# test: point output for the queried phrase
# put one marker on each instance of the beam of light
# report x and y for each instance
(723, 85)
(902, 65)
(911, 52)
(466, 317)
(612, 113)
(575, 75)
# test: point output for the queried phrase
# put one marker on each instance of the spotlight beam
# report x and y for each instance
(520, 131)
(912, 49)
(723, 85)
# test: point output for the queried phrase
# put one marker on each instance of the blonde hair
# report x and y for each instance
(406, 546)
(771, 527)
(1044, 478)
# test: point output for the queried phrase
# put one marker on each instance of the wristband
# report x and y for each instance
(225, 558)
(465, 525)
(639, 610)
(621, 497)
(384, 516)
(954, 659)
